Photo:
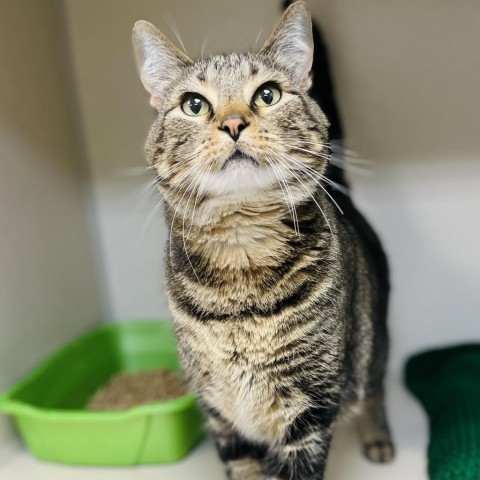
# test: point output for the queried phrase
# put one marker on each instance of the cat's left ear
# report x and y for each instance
(159, 60)
(291, 43)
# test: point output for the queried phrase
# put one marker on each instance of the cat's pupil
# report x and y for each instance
(267, 96)
(195, 104)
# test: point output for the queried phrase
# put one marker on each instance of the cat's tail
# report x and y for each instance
(323, 92)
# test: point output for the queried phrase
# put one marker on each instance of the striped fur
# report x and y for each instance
(279, 301)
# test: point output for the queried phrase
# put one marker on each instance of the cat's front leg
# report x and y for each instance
(303, 453)
(242, 458)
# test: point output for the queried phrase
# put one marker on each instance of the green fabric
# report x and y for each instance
(447, 383)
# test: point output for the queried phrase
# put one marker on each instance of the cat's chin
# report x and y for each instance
(239, 159)
(238, 176)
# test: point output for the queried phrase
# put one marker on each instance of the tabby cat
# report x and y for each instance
(279, 299)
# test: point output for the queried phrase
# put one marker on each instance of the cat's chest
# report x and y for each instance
(235, 377)
(252, 404)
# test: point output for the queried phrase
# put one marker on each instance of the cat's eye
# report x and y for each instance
(267, 95)
(195, 105)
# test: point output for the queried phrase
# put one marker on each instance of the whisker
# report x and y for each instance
(202, 48)
(347, 166)
(287, 186)
(314, 200)
(205, 176)
(340, 156)
(257, 39)
(174, 29)
(302, 166)
(201, 178)
(287, 157)
(185, 177)
(303, 140)
(185, 215)
(311, 152)
(152, 214)
(139, 198)
(291, 205)
(147, 188)
(338, 148)
(171, 232)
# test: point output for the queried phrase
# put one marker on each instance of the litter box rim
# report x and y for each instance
(14, 406)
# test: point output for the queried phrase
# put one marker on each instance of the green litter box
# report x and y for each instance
(48, 404)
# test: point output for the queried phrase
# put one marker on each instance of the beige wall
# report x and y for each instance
(408, 81)
(116, 116)
(47, 284)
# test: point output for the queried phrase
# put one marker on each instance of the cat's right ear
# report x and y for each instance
(159, 61)
(291, 43)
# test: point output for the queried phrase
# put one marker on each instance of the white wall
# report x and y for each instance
(47, 283)
(407, 79)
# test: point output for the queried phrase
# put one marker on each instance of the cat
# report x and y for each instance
(279, 300)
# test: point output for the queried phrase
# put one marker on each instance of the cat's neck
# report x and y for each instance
(242, 236)
(239, 236)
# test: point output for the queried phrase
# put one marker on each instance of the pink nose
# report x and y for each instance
(233, 125)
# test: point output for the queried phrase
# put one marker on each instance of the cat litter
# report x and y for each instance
(125, 390)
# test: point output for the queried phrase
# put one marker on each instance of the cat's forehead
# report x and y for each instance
(227, 67)
(229, 75)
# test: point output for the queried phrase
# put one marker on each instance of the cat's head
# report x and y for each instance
(234, 125)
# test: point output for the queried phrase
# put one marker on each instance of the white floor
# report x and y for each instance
(345, 463)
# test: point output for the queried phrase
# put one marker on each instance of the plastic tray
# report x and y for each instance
(48, 404)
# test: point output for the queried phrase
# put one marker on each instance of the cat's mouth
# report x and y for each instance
(238, 158)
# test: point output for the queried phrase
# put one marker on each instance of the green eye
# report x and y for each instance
(195, 105)
(267, 95)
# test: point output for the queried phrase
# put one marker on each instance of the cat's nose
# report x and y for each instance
(233, 125)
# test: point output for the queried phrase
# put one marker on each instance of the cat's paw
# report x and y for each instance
(380, 452)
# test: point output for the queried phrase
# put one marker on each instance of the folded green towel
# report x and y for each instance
(447, 383)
